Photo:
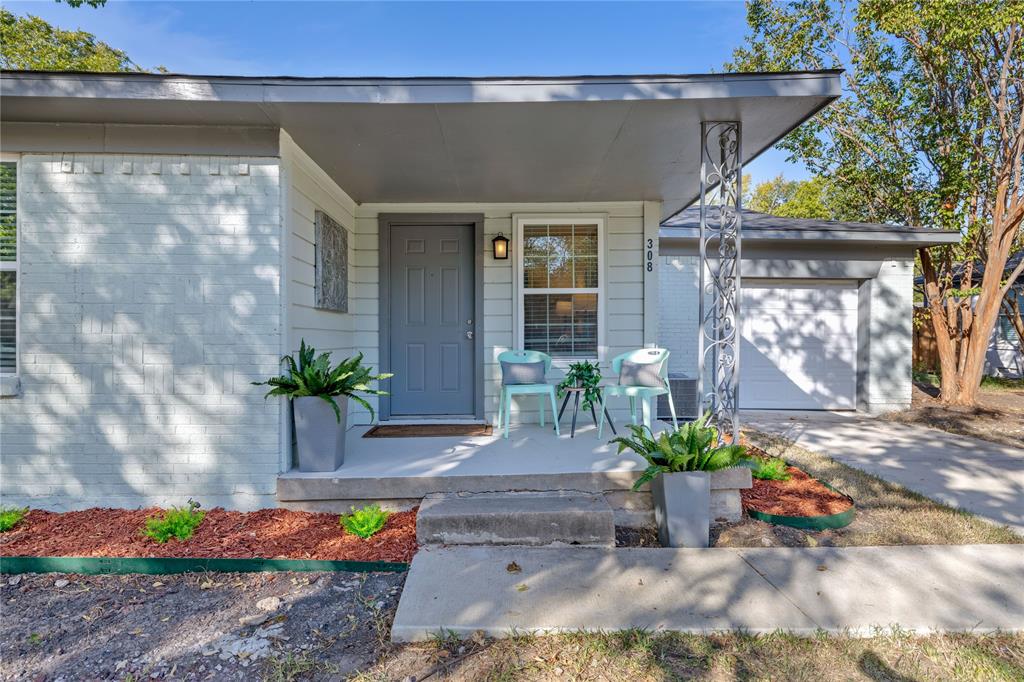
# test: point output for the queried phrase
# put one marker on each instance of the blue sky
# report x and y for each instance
(419, 39)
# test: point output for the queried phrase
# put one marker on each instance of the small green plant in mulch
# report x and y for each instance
(10, 516)
(177, 522)
(366, 521)
(771, 469)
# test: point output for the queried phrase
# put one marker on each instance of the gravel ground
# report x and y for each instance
(218, 626)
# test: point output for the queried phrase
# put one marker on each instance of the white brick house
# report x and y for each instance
(165, 254)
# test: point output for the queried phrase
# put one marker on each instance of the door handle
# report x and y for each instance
(469, 335)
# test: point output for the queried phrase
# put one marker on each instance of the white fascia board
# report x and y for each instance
(416, 91)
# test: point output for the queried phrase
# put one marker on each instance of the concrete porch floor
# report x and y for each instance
(403, 469)
(399, 472)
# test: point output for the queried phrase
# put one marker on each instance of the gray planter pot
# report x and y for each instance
(319, 436)
(682, 508)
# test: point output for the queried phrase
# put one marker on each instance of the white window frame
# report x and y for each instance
(519, 291)
(14, 266)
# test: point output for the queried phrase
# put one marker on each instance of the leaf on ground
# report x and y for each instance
(514, 568)
(522, 587)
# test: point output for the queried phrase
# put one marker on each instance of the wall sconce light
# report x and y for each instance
(500, 247)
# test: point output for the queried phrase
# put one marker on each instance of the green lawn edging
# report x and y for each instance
(162, 565)
(822, 522)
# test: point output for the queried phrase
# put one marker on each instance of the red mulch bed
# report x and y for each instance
(801, 495)
(268, 534)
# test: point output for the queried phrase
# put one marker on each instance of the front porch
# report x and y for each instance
(398, 472)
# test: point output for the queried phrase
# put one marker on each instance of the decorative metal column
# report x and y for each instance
(721, 186)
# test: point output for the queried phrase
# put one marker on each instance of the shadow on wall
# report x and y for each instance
(149, 302)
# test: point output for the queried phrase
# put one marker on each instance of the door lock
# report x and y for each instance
(469, 335)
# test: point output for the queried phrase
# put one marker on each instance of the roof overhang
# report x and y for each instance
(684, 230)
(671, 236)
(609, 138)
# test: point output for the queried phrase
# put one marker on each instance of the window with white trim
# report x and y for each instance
(560, 290)
(8, 267)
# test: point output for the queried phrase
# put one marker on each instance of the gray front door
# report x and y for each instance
(431, 325)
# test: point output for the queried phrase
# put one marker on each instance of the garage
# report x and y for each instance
(799, 349)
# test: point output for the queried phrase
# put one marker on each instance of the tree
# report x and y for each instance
(791, 198)
(30, 43)
(930, 132)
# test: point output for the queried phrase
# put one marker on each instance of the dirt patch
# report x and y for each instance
(646, 536)
(650, 656)
(225, 626)
(268, 533)
(998, 417)
(801, 495)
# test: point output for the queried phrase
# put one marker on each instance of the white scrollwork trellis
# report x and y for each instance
(721, 186)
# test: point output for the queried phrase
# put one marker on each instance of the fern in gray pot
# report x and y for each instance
(319, 395)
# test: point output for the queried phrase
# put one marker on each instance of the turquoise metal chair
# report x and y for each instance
(643, 356)
(544, 391)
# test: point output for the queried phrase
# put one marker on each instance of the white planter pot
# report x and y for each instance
(319, 436)
(682, 508)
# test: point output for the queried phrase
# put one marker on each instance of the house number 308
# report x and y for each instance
(650, 255)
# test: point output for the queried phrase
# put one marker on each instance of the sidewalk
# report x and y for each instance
(978, 476)
(854, 590)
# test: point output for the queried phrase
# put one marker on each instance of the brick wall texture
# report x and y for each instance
(149, 300)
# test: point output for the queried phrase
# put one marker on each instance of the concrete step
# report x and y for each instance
(516, 518)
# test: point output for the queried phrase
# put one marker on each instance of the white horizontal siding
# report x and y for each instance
(624, 268)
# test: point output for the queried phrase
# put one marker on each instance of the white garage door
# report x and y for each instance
(799, 348)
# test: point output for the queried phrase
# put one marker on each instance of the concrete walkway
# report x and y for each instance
(465, 589)
(982, 477)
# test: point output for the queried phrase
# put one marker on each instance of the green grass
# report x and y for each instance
(177, 522)
(366, 521)
(645, 656)
(988, 383)
(10, 516)
(1002, 384)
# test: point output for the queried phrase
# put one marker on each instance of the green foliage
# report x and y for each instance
(586, 375)
(30, 43)
(927, 133)
(694, 446)
(313, 376)
(177, 522)
(771, 469)
(366, 521)
(10, 516)
(792, 198)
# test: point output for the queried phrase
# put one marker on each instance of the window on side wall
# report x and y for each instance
(8, 267)
(560, 286)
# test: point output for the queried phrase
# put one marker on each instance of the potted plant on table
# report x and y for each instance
(679, 466)
(585, 375)
(320, 395)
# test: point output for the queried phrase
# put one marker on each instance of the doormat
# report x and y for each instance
(427, 430)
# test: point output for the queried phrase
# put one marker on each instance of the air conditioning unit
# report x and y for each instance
(684, 395)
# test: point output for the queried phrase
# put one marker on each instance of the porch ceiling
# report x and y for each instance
(459, 139)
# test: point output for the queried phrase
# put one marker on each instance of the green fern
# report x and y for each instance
(772, 469)
(313, 376)
(177, 522)
(694, 446)
(366, 521)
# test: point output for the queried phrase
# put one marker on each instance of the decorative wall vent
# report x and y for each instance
(331, 264)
